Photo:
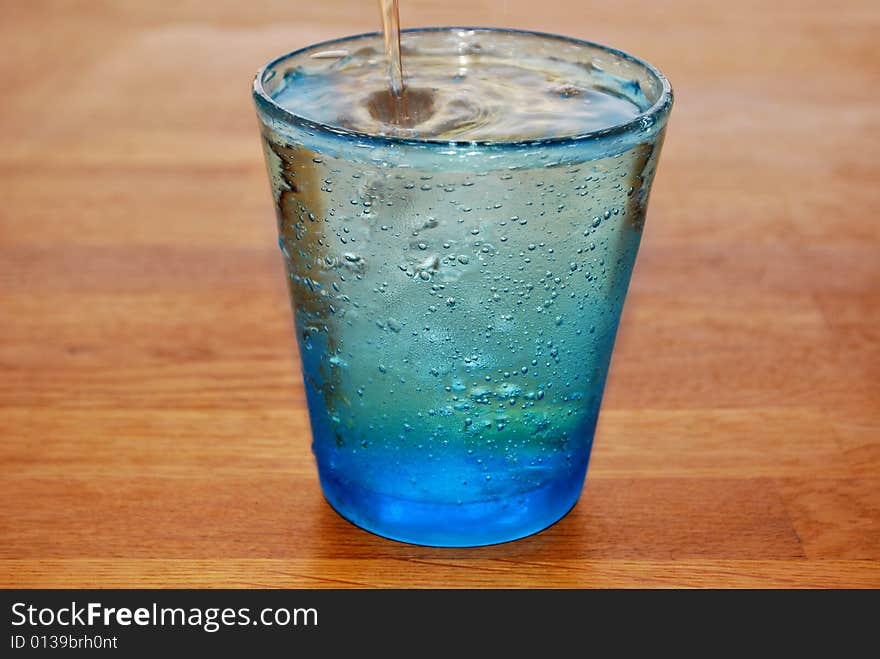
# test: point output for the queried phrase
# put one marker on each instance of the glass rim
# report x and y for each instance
(644, 119)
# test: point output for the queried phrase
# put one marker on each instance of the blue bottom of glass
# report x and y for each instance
(454, 524)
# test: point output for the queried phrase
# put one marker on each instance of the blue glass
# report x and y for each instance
(456, 302)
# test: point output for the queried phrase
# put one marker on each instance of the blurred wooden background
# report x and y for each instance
(152, 425)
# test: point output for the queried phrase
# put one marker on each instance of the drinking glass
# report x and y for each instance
(456, 302)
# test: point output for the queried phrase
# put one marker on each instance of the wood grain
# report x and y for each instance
(151, 412)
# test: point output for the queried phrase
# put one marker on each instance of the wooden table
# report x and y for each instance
(151, 411)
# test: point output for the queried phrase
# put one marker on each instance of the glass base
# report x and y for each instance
(450, 524)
